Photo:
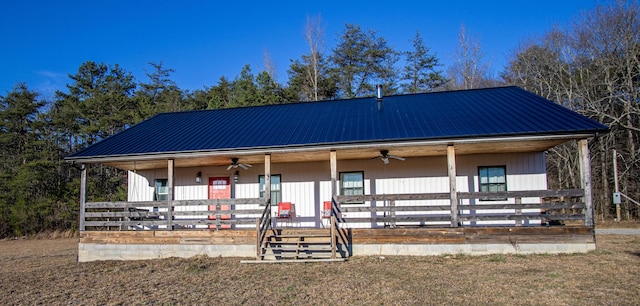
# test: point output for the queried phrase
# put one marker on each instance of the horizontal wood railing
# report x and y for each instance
(550, 207)
(554, 207)
(546, 207)
(153, 215)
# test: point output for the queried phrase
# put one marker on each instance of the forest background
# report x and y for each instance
(591, 65)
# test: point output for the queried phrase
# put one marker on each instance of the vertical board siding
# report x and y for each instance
(140, 185)
(186, 188)
(525, 171)
(308, 185)
(302, 196)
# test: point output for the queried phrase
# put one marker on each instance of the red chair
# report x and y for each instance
(285, 210)
(326, 209)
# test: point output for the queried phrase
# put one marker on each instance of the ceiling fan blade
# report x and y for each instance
(397, 157)
(244, 166)
(230, 166)
(385, 160)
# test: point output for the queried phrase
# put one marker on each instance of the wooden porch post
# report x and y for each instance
(170, 169)
(585, 179)
(83, 194)
(333, 158)
(267, 177)
(453, 196)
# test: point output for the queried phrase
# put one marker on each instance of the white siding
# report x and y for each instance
(525, 171)
(308, 185)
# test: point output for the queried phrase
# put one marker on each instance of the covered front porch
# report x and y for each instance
(375, 223)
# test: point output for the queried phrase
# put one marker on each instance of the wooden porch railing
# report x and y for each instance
(553, 206)
(158, 215)
(263, 224)
(339, 233)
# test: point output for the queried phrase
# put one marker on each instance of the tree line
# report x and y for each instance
(591, 67)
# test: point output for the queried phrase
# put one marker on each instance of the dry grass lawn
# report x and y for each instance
(46, 272)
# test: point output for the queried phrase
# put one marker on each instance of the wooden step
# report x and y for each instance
(256, 261)
(299, 236)
(295, 256)
(297, 245)
(299, 232)
(307, 248)
(298, 242)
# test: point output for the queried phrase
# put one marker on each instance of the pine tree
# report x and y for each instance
(361, 61)
(420, 74)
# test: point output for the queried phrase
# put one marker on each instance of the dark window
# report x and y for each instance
(162, 190)
(493, 179)
(352, 183)
(276, 194)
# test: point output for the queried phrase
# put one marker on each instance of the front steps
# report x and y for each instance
(296, 245)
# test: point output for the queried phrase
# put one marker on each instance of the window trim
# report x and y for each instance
(342, 188)
(156, 194)
(261, 190)
(480, 184)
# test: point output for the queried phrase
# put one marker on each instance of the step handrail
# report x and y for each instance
(338, 234)
(262, 225)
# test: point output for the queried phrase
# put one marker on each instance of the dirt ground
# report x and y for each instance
(46, 272)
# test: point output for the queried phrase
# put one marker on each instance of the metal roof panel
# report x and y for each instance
(490, 112)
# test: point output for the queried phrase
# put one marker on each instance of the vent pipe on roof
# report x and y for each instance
(379, 96)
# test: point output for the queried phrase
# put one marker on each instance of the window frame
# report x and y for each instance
(342, 181)
(487, 186)
(156, 193)
(277, 192)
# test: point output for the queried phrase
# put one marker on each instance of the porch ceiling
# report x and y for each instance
(200, 159)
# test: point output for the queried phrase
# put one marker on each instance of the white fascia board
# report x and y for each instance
(311, 148)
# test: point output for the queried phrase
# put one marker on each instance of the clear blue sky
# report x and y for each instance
(42, 42)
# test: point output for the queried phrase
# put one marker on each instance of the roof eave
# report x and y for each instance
(324, 147)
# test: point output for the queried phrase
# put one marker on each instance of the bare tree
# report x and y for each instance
(314, 36)
(594, 68)
(309, 77)
(269, 65)
(469, 69)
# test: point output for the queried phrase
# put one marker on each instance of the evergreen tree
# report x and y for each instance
(310, 83)
(420, 74)
(361, 61)
(100, 99)
(268, 89)
(160, 94)
(245, 90)
(31, 175)
(221, 95)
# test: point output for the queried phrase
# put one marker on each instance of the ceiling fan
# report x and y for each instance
(235, 164)
(384, 156)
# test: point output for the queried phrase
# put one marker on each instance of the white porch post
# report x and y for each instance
(170, 183)
(267, 177)
(83, 194)
(585, 179)
(333, 159)
(453, 191)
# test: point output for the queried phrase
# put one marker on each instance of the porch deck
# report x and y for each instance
(143, 230)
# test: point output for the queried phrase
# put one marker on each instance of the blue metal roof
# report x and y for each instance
(490, 112)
